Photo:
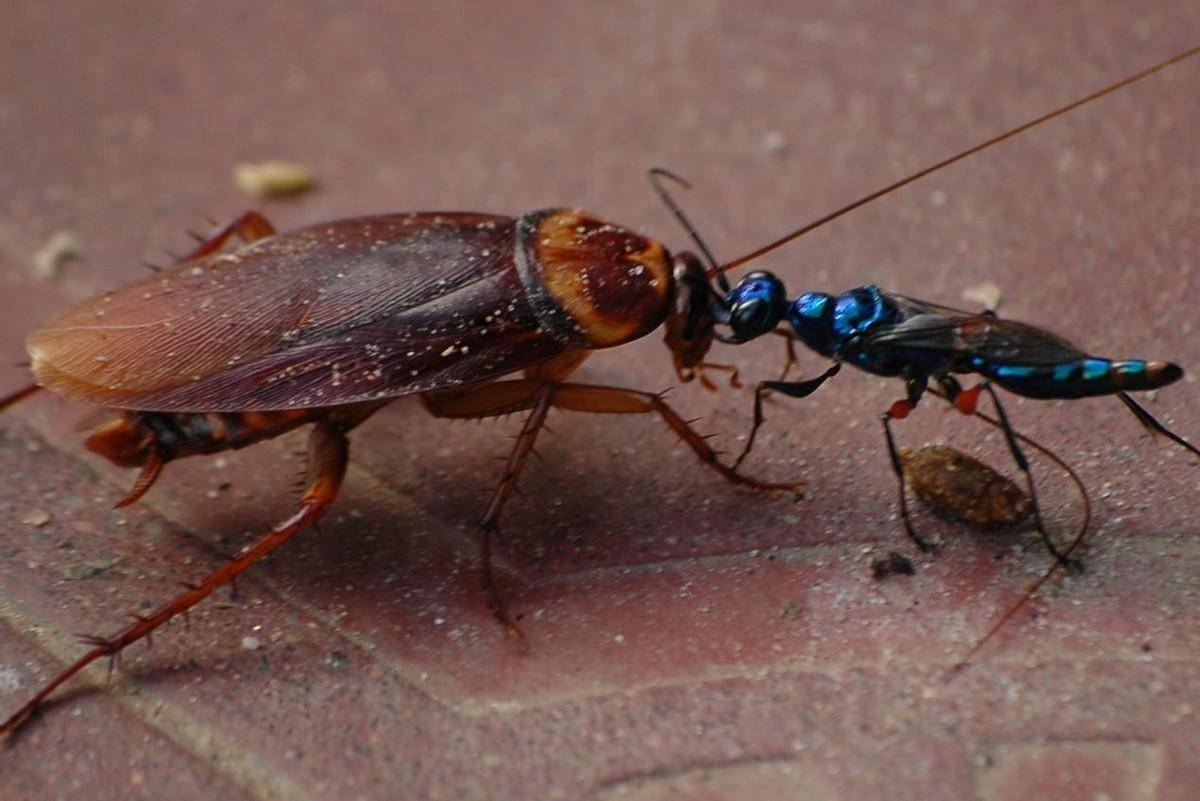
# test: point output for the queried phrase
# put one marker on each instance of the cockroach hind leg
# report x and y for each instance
(328, 450)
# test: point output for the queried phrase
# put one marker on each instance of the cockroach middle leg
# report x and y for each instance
(328, 451)
(538, 397)
(489, 524)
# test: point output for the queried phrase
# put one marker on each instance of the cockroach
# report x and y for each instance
(479, 315)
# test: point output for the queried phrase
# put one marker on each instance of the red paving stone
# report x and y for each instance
(686, 639)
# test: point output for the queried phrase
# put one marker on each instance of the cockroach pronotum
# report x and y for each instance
(480, 315)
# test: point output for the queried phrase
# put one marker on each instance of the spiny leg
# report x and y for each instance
(794, 389)
(250, 226)
(915, 388)
(18, 395)
(538, 395)
(493, 400)
(328, 450)
(1148, 420)
(965, 401)
(617, 400)
(490, 522)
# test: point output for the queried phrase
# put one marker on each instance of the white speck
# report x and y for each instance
(251, 643)
(449, 351)
(10, 680)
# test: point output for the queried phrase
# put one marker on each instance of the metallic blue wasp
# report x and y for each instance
(920, 342)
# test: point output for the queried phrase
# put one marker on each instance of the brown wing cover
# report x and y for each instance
(335, 313)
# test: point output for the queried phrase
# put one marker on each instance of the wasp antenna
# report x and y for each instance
(656, 174)
(799, 232)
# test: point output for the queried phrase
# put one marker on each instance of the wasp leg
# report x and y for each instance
(790, 360)
(794, 389)
(250, 227)
(1144, 417)
(898, 411)
(967, 406)
(328, 450)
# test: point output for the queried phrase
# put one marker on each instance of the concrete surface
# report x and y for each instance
(687, 639)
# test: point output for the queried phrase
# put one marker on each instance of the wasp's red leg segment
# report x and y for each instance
(794, 389)
(250, 227)
(898, 411)
(328, 450)
(1023, 464)
(18, 395)
(616, 400)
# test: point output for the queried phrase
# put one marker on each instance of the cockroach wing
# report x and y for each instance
(336, 313)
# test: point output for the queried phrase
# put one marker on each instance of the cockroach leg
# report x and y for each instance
(18, 395)
(616, 400)
(735, 380)
(250, 227)
(328, 451)
(151, 470)
(494, 400)
(490, 523)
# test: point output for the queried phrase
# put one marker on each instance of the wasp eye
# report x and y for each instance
(756, 305)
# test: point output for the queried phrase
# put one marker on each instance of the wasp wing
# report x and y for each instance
(336, 313)
(928, 326)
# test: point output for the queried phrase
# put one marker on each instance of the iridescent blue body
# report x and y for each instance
(919, 342)
(893, 335)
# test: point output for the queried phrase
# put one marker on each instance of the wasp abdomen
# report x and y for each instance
(1081, 378)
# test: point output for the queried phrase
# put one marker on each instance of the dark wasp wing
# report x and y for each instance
(928, 326)
(335, 313)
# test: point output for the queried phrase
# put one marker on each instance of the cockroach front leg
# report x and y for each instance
(328, 450)
(617, 400)
(250, 227)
